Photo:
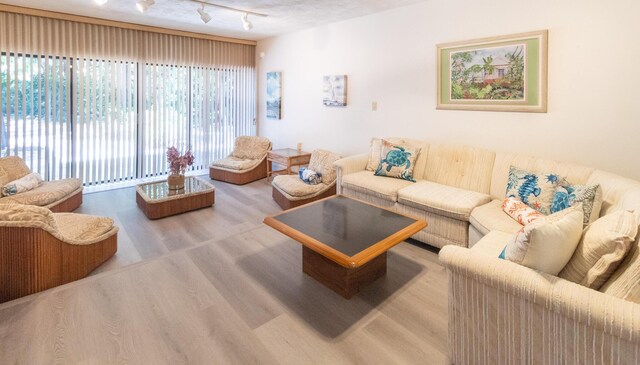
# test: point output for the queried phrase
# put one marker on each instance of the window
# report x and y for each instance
(111, 121)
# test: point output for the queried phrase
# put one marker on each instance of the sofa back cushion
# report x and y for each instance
(618, 193)
(575, 174)
(12, 168)
(461, 167)
(625, 281)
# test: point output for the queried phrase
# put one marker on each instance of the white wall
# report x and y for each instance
(593, 113)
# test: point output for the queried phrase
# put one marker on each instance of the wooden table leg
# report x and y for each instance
(344, 281)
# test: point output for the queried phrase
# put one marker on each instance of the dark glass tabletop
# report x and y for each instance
(344, 224)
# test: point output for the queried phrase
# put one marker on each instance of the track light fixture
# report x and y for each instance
(246, 24)
(144, 5)
(204, 15)
(100, 2)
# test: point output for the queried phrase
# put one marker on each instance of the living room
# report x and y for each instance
(133, 252)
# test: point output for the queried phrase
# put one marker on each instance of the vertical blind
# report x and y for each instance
(103, 103)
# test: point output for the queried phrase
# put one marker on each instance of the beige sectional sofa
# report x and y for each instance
(501, 312)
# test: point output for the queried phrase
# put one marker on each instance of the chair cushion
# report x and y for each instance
(250, 147)
(366, 182)
(12, 168)
(20, 215)
(603, 246)
(292, 185)
(490, 216)
(234, 163)
(442, 199)
(493, 243)
(47, 193)
(81, 228)
(321, 161)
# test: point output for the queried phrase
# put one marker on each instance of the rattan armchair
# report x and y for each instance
(40, 249)
(246, 163)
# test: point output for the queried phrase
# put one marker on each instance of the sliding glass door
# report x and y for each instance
(110, 121)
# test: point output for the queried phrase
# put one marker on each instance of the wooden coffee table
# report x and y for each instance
(156, 200)
(345, 241)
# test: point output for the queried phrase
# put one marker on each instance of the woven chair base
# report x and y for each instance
(257, 173)
(285, 203)
(33, 260)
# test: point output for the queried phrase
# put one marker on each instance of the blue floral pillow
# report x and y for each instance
(569, 195)
(309, 176)
(535, 190)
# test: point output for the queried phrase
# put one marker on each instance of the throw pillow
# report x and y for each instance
(25, 183)
(603, 246)
(567, 195)
(375, 154)
(309, 176)
(535, 190)
(548, 243)
(398, 161)
(519, 211)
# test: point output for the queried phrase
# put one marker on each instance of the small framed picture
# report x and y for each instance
(334, 90)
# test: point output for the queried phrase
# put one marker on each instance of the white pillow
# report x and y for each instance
(548, 243)
(25, 183)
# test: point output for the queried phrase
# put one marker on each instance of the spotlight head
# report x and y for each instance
(144, 5)
(246, 24)
(206, 18)
(100, 2)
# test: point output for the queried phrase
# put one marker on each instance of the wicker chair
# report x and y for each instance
(289, 191)
(63, 195)
(247, 162)
(40, 249)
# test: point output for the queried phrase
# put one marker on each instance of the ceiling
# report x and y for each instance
(283, 15)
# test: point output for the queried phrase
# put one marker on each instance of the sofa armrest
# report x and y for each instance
(349, 165)
(496, 304)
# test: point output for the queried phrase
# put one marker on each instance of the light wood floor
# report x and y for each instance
(216, 286)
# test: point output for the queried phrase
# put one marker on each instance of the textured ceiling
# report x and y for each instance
(284, 15)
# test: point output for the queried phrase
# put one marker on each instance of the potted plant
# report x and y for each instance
(178, 163)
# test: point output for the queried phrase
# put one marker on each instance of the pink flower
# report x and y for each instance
(178, 162)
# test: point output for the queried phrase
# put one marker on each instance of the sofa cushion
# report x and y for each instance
(442, 199)
(462, 167)
(292, 185)
(366, 182)
(80, 228)
(250, 147)
(322, 161)
(576, 174)
(589, 195)
(398, 161)
(519, 211)
(234, 163)
(23, 184)
(534, 189)
(490, 216)
(548, 243)
(603, 246)
(47, 193)
(493, 243)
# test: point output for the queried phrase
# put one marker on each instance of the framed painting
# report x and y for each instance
(506, 73)
(274, 96)
(334, 90)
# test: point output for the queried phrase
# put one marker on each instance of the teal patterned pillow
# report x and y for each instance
(535, 190)
(569, 195)
(398, 161)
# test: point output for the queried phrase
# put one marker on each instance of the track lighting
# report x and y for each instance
(204, 15)
(100, 2)
(144, 5)
(246, 24)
